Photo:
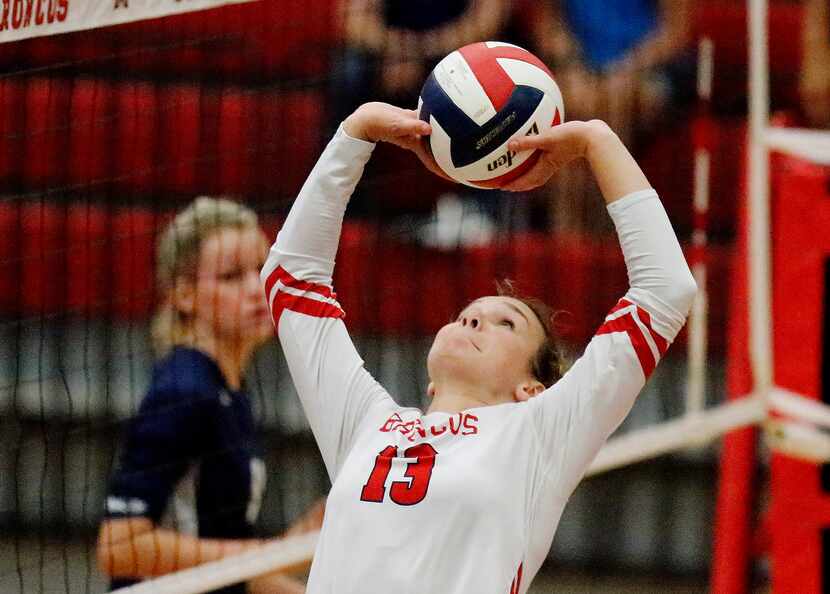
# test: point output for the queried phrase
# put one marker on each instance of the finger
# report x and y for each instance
(535, 141)
(411, 127)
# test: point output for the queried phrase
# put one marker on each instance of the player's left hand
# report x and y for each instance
(559, 145)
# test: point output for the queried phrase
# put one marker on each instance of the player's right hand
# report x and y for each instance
(381, 122)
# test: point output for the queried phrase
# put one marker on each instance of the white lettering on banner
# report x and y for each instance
(21, 19)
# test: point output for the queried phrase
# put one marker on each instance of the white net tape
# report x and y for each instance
(282, 555)
(812, 145)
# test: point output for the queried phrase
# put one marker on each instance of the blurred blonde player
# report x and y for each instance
(466, 496)
(191, 454)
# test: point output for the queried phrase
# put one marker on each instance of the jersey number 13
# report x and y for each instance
(401, 492)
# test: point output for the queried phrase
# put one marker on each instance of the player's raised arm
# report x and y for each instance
(593, 398)
(336, 391)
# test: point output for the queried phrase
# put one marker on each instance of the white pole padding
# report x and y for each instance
(798, 440)
(799, 408)
(687, 431)
(760, 302)
(698, 317)
(696, 375)
(705, 68)
(812, 145)
(285, 555)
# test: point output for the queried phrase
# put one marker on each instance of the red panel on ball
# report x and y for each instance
(517, 53)
(494, 80)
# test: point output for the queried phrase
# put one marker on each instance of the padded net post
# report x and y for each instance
(800, 490)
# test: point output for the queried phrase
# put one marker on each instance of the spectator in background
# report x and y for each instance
(391, 47)
(191, 453)
(814, 84)
(623, 61)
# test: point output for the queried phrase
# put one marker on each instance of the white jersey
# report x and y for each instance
(454, 503)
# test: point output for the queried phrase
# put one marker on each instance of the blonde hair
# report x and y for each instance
(177, 255)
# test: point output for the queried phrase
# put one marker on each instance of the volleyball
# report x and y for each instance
(477, 99)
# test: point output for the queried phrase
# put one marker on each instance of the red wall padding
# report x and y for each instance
(87, 259)
(138, 139)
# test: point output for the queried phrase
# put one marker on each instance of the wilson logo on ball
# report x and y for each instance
(480, 97)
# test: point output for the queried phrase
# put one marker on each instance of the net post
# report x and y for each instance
(799, 501)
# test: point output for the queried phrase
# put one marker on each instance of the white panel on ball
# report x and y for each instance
(501, 44)
(440, 142)
(525, 73)
(456, 78)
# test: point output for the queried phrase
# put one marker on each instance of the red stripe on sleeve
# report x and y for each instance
(626, 323)
(645, 318)
(621, 304)
(281, 274)
(662, 343)
(304, 305)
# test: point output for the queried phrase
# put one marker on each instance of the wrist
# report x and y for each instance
(355, 125)
(598, 134)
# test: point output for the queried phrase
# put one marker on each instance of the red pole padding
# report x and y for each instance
(732, 554)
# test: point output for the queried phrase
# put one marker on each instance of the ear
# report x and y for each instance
(527, 390)
(184, 297)
(431, 390)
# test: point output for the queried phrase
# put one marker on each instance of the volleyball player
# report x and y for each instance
(466, 496)
(190, 454)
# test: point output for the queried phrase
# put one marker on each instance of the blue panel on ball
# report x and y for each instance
(437, 103)
(470, 142)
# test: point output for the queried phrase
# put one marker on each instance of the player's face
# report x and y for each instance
(229, 299)
(490, 345)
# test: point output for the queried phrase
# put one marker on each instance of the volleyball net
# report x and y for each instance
(116, 115)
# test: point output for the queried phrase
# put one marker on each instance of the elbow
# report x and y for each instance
(271, 264)
(685, 291)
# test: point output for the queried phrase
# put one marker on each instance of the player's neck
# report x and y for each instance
(230, 357)
(454, 397)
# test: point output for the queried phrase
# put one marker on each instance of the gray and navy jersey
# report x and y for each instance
(190, 460)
